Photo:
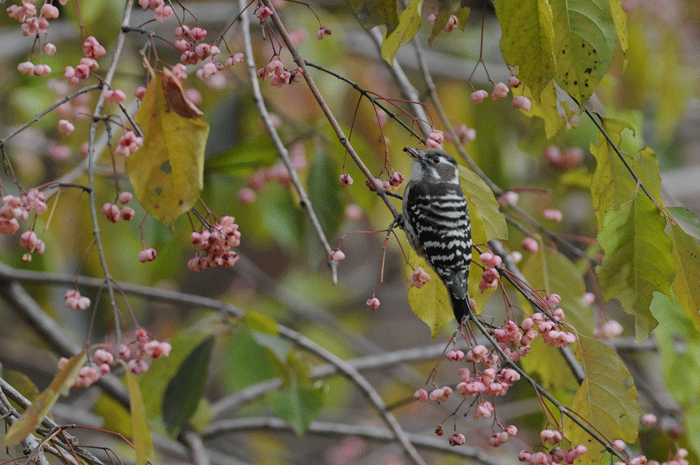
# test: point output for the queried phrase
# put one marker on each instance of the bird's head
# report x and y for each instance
(433, 165)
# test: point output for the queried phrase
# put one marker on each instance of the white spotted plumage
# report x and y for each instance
(436, 222)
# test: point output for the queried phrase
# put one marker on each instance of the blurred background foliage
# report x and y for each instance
(283, 271)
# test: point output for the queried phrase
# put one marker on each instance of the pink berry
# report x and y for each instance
(345, 180)
(457, 439)
(125, 197)
(65, 126)
(479, 96)
(649, 419)
(421, 395)
(353, 212)
(522, 103)
(323, 32)
(373, 303)
(500, 90)
(513, 82)
(553, 215)
(147, 255)
(246, 195)
(618, 445)
(530, 245)
(589, 298)
(337, 255)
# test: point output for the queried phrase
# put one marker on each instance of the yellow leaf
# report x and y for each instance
(37, 411)
(167, 172)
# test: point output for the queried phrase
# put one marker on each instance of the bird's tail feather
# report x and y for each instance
(460, 307)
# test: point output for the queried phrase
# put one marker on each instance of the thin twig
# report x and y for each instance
(49, 110)
(381, 192)
(373, 433)
(281, 149)
(91, 171)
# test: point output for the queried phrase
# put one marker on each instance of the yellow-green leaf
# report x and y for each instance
(483, 207)
(686, 286)
(620, 20)
(552, 272)
(167, 172)
(37, 411)
(554, 113)
(584, 44)
(430, 303)
(409, 24)
(141, 436)
(638, 259)
(607, 398)
(527, 40)
(612, 184)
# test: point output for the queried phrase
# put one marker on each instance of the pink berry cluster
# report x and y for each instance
(92, 51)
(114, 213)
(190, 42)
(161, 10)
(392, 183)
(556, 455)
(418, 278)
(451, 25)
(548, 329)
(275, 173)
(435, 139)
(128, 144)
(35, 24)
(501, 90)
(570, 158)
(15, 209)
(489, 278)
(279, 75)
(135, 352)
(75, 301)
(679, 458)
(215, 244)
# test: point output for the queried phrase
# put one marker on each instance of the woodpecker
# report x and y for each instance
(436, 222)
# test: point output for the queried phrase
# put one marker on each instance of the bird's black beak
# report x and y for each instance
(412, 152)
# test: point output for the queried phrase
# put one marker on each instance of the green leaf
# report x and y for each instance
(638, 259)
(527, 39)
(154, 382)
(607, 398)
(259, 322)
(140, 434)
(297, 405)
(584, 44)
(687, 220)
(686, 286)
(168, 171)
(548, 269)
(185, 388)
(37, 411)
(679, 343)
(325, 193)
(612, 183)
(244, 158)
(483, 207)
(282, 217)
(247, 362)
(409, 24)
(371, 13)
